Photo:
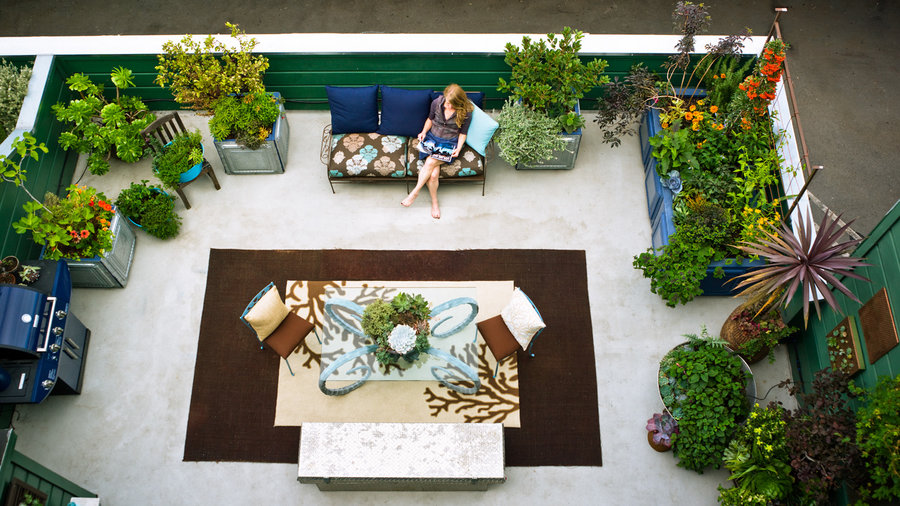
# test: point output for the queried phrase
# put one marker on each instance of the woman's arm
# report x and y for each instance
(459, 145)
(425, 129)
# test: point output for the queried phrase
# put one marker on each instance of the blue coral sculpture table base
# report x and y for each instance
(441, 373)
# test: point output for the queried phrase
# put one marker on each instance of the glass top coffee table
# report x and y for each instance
(349, 356)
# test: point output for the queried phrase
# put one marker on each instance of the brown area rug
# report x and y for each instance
(232, 407)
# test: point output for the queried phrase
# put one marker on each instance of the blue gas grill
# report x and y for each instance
(42, 345)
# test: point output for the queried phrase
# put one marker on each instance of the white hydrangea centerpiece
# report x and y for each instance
(402, 339)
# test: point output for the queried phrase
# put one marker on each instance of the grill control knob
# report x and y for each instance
(54, 347)
(48, 384)
(61, 314)
(58, 331)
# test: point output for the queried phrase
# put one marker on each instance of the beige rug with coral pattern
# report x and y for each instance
(300, 400)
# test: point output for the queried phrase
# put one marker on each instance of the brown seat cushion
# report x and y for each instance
(498, 337)
(292, 331)
(468, 163)
(370, 154)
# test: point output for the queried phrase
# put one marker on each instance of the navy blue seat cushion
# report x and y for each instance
(403, 112)
(353, 110)
(477, 97)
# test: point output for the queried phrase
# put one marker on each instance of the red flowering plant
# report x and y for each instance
(73, 227)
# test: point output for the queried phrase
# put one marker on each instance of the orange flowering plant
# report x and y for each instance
(73, 227)
(759, 88)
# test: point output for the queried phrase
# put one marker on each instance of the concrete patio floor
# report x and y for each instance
(123, 437)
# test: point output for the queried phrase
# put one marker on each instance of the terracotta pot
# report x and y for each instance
(660, 447)
(736, 338)
(9, 264)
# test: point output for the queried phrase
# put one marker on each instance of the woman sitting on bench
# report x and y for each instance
(441, 140)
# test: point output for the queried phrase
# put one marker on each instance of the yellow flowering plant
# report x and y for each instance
(758, 458)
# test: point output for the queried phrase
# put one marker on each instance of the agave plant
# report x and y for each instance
(804, 262)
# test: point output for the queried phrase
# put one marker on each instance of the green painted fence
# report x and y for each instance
(52, 173)
(301, 79)
(59, 490)
(809, 351)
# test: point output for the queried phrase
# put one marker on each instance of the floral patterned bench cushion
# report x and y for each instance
(368, 154)
(469, 163)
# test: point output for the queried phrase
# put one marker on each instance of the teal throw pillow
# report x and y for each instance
(481, 129)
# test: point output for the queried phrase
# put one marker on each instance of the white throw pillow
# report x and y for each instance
(267, 314)
(522, 318)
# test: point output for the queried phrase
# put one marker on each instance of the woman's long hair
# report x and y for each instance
(459, 101)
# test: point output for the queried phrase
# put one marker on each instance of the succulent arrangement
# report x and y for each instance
(400, 327)
(661, 428)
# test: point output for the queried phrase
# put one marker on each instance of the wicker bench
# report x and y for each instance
(377, 158)
(401, 456)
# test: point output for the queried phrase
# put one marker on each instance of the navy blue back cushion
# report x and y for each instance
(477, 97)
(403, 112)
(353, 110)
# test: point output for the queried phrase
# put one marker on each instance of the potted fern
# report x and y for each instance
(549, 77)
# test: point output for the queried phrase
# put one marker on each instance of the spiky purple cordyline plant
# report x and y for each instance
(802, 262)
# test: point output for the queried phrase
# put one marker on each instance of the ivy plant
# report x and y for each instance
(102, 128)
(713, 385)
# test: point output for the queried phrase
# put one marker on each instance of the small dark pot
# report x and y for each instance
(660, 447)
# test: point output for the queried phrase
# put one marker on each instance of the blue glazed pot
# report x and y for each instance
(154, 190)
(193, 172)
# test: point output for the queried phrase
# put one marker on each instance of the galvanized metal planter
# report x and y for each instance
(270, 158)
(563, 159)
(112, 269)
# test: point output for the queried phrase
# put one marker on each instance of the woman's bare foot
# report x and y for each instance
(409, 200)
(435, 211)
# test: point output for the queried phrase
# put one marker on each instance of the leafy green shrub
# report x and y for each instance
(878, 437)
(758, 459)
(100, 127)
(151, 208)
(13, 88)
(248, 119)
(673, 149)
(199, 74)
(526, 136)
(710, 402)
(548, 75)
(174, 159)
(675, 274)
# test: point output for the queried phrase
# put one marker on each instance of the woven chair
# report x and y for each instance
(161, 132)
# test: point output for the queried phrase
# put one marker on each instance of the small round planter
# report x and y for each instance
(9, 264)
(660, 447)
(154, 190)
(749, 388)
(736, 339)
(192, 173)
